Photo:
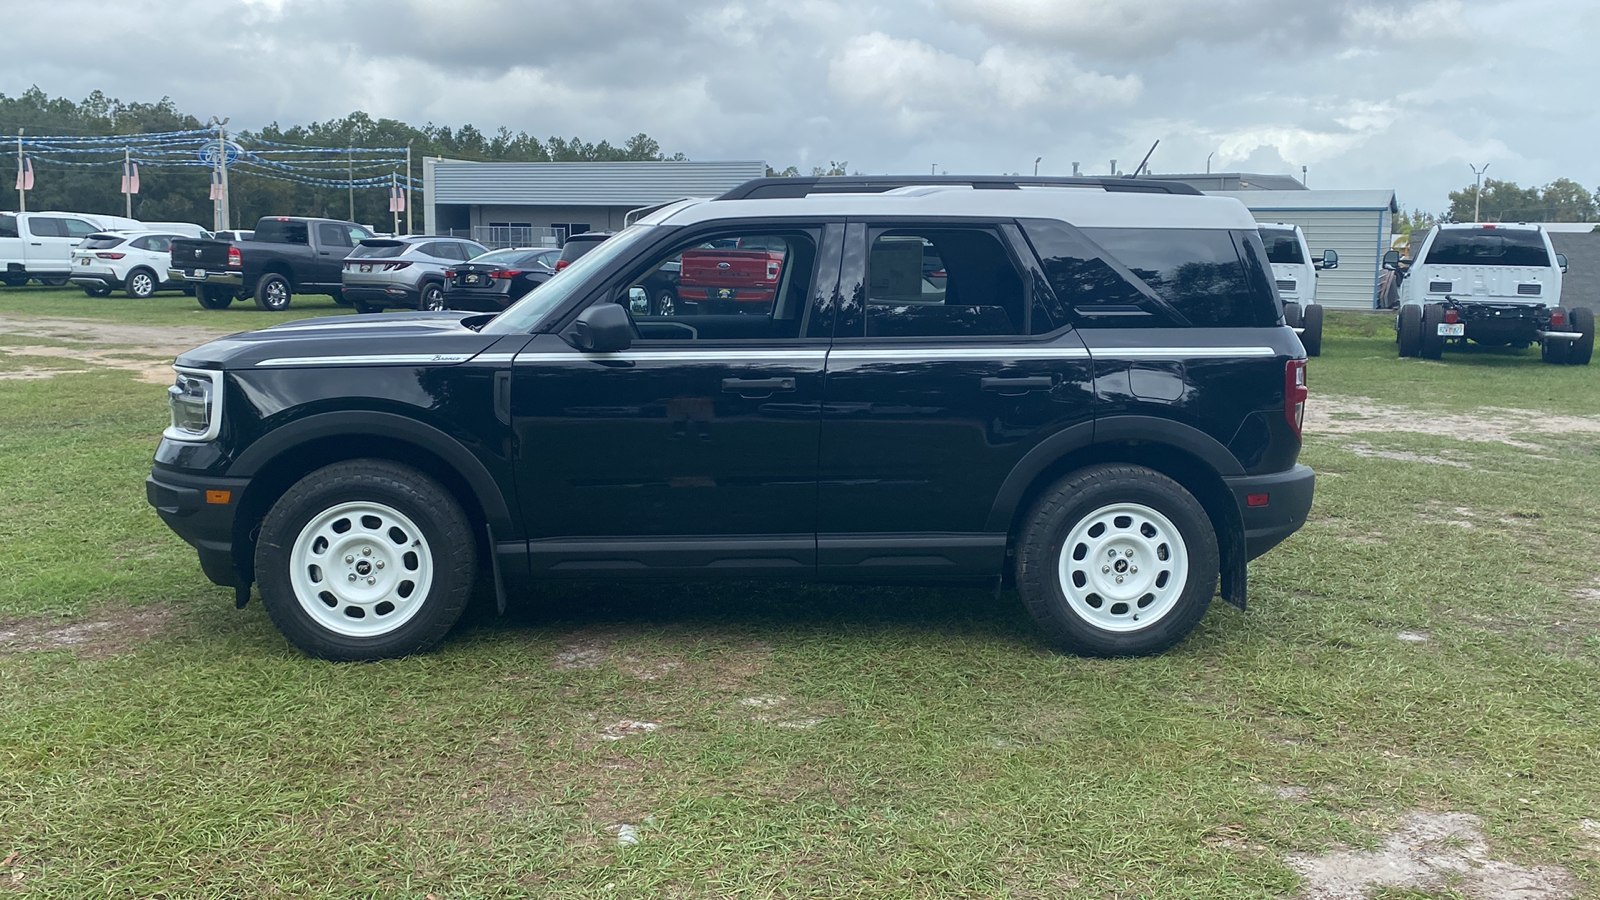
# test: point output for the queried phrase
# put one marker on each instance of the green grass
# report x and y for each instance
(941, 750)
(165, 308)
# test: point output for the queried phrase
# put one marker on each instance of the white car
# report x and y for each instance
(39, 244)
(135, 262)
(1294, 272)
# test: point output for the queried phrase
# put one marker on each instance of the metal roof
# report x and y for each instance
(1211, 182)
(1287, 200)
(585, 183)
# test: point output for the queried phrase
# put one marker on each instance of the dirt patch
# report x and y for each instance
(600, 648)
(1429, 852)
(1437, 513)
(1362, 448)
(777, 711)
(149, 354)
(33, 373)
(1361, 415)
(108, 633)
(146, 362)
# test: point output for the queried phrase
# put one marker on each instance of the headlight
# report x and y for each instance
(196, 401)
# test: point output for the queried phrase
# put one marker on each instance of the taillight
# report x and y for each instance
(396, 265)
(449, 273)
(1294, 394)
(1451, 317)
(937, 273)
(111, 255)
(562, 264)
(235, 258)
(505, 273)
(1558, 318)
(772, 270)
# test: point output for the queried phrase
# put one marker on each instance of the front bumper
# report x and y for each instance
(1288, 502)
(201, 510)
(207, 276)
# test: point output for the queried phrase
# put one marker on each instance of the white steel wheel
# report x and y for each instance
(1124, 567)
(361, 569)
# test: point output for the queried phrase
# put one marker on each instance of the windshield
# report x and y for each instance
(522, 316)
(1488, 247)
(1283, 246)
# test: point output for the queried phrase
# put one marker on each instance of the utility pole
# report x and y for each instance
(394, 194)
(1208, 161)
(1036, 160)
(352, 183)
(220, 213)
(127, 197)
(1303, 177)
(22, 194)
(409, 198)
(1477, 187)
(933, 168)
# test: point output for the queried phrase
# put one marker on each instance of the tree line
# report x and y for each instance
(1562, 200)
(183, 194)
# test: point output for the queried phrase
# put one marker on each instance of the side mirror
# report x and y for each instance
(638, 301)
(603, 328)
(1391, 260)
(1330, 260)
(1561, 260)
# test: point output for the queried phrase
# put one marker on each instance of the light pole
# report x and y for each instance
(1208, 161)
(221, 211)
(1036, 160)
(1477, 187)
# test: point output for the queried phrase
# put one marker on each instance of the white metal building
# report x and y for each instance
(1354, 223)
(502, 204)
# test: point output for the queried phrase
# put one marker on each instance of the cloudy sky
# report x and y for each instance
(1399, 94)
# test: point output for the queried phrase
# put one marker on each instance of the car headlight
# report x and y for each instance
(196, 401)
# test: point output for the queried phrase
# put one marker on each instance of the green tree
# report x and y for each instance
(1562, 200)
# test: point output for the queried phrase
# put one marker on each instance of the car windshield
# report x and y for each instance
(1488, 247)
(1283, 246)
(524, 315)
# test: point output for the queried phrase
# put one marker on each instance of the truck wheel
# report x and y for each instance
(272, 293)
(431, 297)
(362, 307)
(97, 290)
(1432, 344)
(1582, 321)
(141, 284)
(1291, 314)
(53, 280)
(1410, 330)
(14, 280)
(1311, 337)
(213, 296)
(1555, 351)
(365, 559)
(1117, 560)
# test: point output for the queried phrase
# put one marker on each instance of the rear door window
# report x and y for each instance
(332, 234)
(8, 227)
(46, 226)
(278, 231)
(941, 282)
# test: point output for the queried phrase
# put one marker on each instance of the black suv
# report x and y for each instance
(1097, 401)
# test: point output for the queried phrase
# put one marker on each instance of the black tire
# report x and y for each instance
(1311, 337)
(213, 296)
(1432, 344)
(97, 290)
(1291, 314)
(430, 296)
(14, 281)
(1581, 320)
(362, 307)
(365, 494)
(141, 284)
(1555, 351)
(339, 298)
(1092, 493)
(1410, 330)
(273, 293)
(53, 280)
(665, 303)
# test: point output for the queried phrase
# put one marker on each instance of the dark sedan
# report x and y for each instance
(491, 282)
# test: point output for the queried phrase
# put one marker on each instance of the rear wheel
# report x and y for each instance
(1410, 330)
(365, 559)
(141, 284)
(272, 293)
(53, 280)
(1117, 560)
(1432, 344)
(1291, 314)
(98, 290)
(666, 303)
(212, 296)
(1582, 351)
(362, 307)
(14, 280)
(431, 297)
(1555, 351)
(1311, 337)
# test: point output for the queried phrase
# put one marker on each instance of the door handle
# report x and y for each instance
(502, 397)
(756, 387)
(1012, 387)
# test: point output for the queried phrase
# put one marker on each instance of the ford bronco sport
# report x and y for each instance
(1098, 403)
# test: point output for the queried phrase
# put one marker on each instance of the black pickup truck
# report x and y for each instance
(287, 255)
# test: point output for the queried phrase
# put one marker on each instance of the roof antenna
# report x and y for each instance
(1146, 159)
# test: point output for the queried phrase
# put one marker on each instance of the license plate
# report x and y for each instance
(725, 294)
(84, 261)
(198, 274)
(1457, 330)
(366, 267)
(471, 279)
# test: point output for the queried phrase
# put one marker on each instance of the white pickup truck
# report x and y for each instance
(39, 245)
(1295, 274)
(1493, 284)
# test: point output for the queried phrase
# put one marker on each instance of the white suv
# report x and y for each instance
(1294, 272)
(135, 262)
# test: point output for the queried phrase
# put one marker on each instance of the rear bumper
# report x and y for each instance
(1288, 502)
(207, 276)
(188, 504)
(479, 301)
(382, 294)
(91, 279)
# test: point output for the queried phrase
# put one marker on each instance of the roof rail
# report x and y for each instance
(634, 215)
(777, 188)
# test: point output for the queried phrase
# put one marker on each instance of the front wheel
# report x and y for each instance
(211, 297)
(273, 293)
(1311, 336)
(365, 559)
(1117, 560)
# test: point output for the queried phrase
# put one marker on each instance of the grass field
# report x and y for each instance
(1425, 651)
(165, 308)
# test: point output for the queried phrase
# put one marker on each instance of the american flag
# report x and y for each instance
(216, 185)
(130, 177)
(397, 198)
(25, 174)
